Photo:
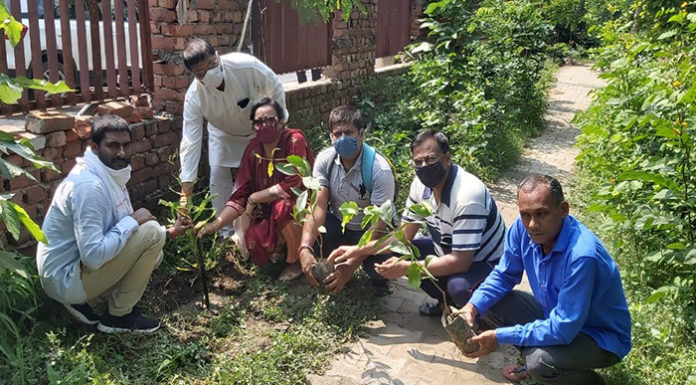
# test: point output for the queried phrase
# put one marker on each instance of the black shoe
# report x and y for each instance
(380, 288)
(82, 313)
(431, 309)
(132, 322)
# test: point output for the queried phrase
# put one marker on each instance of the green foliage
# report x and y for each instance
(638, 157)
(480, 78)
(322, 10)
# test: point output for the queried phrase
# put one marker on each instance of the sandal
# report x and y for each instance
(431, 309)
(515, 373)
(291, 272)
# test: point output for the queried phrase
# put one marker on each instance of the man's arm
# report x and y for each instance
(191, 142)
(91, 209)
(565, 320)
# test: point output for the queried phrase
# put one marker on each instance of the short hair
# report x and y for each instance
(531, 182)
(439, 137)
(108, 123)
(196, 51)
(266, 101)
(346, 114)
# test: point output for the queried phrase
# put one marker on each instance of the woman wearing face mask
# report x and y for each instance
(264, 203)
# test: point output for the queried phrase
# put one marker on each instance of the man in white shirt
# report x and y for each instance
(97, 245)
(224, 90)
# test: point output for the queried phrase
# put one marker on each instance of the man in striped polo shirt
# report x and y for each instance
(466, 230)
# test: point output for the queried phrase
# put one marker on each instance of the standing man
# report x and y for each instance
(577, 320)
(224, 90)
(97, 245)
(348, 171)
(466, 229)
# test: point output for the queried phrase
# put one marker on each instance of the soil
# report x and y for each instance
(320, 271)
(459, 331)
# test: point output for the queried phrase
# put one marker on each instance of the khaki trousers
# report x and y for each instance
(123, 279)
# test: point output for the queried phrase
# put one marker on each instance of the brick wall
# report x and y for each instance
(217, 21)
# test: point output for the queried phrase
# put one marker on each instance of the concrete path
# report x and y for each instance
(406, 348)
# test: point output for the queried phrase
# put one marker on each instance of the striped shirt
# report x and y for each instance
(467, 217)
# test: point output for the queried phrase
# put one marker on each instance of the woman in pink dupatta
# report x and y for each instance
(267, 200)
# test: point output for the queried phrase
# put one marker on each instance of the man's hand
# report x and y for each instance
(337, 280)
(206, 229)
(392, 268)
(306, 261)
(181, 226)
(487, 344)
(344, 254)
(469, 312)
(143, 215)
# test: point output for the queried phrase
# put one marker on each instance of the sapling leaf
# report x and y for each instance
(365, 239)
(8, 262)
(286, 168)
(296, 191)
(348, 211)
(270, 169)
(414, 276)
(301, 164)
(301, 202)
(400, 248)
(422, 209)
(429, 259)
(311, 183)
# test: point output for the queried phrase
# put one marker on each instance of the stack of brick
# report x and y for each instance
(217, 21)
(55, 137)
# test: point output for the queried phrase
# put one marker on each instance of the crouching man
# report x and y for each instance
(577, 319)
(97, 245)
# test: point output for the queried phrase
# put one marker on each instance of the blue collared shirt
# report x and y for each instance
(577, 285)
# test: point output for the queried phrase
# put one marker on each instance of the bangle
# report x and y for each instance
(305, 246)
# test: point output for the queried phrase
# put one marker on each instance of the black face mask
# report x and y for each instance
(432, 174)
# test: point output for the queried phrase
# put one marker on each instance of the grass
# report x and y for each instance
(265, 331)
(663, 352)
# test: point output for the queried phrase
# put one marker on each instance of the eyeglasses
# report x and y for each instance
(266, 120)
(201, 74)
(428, 160)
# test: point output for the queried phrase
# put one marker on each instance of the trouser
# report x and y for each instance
(123, 279)
(222, 187)
(560, 364)
(459, 286)
(333, 238)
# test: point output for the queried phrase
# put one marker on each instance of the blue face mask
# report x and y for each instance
(346, 146)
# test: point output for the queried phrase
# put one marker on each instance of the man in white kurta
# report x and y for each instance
(222, 94)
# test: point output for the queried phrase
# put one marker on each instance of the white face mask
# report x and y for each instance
(214, 77)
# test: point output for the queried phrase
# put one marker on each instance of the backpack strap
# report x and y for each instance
(368, 161)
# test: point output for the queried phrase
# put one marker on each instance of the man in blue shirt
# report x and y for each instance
(577, 320)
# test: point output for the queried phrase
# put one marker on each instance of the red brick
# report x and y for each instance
(146, 112)
(205, 4)
(53, 154)
(137, 162)
(153, 3)
(71, 150)
(22, 181)
(150, 128)
(135, 117)
(50, 175)
(56, 139)
(140, 176)
(175, 108)
(41, 122)
(168, 43)
(71, 135)
(67, 166)
(177, 123)
(166, 139)
(35, 194)
(160, 14)
(222, 28)
(142, 100)
(192, 16)
(177, 30)
(122, 109)
(204, 29)
(204, 17)
(158, 81)
(171, 4)
(138, 131)
(164, 124)
(151, 159)
(168, 69)
(141, 146)
(227, 5)
(83, 126)
(169, 94)
(176, 82)
(164, 182)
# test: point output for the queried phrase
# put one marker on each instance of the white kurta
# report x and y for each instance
(229, 129)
